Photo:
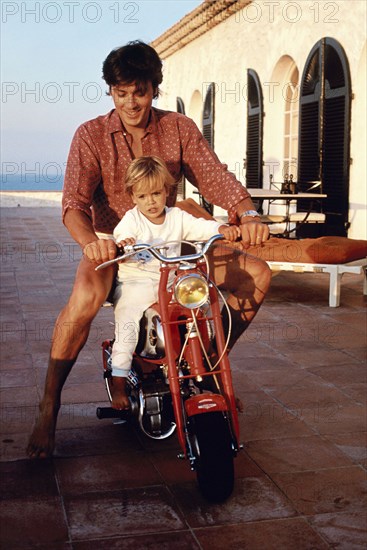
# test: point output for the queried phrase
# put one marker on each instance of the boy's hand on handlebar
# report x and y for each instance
(230, 232)
(254, 233)
(126, 242)
(100, 251)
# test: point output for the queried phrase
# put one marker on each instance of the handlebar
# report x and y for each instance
(133, 249)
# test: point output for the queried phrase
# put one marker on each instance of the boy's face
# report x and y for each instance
(151, 202)
(133, 104)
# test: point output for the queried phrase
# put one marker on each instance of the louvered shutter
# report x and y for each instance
(309, 135)
(181, 189)
(336, 143)
(180, 106)
(254, 145)
(324, 135)
(208, 132)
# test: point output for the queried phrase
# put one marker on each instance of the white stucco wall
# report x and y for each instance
(268, 36)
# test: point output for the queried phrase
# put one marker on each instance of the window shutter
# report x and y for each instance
(181, 189)
(324, 132)
(208, 116)
(180, 106)
(208, 132)
(254, 146)
(309, 135)
(336, 138)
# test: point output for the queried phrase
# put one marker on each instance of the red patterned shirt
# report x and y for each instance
(100, 154)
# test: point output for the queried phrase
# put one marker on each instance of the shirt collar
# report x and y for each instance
(115, 124)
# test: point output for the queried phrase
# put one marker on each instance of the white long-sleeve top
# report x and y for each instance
(177, 226)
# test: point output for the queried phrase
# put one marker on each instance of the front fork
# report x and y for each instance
(200, 403)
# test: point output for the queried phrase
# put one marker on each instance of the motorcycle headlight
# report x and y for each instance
(191, 291)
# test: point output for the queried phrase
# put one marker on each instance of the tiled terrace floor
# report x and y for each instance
(300, 371)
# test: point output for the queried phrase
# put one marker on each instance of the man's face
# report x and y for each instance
(133, 104)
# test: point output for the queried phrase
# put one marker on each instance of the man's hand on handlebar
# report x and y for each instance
(100, 251)
(230, 232)
(254, 233)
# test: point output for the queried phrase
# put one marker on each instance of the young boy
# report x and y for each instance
(150, 221)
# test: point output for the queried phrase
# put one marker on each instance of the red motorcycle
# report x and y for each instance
(180, 378)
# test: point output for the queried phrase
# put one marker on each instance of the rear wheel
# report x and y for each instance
(213, 447)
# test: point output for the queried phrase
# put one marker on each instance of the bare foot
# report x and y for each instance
(120, 400)
(42, 440)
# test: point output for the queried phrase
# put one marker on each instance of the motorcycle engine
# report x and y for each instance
(151, 339)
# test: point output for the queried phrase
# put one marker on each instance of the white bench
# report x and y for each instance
(336, 271)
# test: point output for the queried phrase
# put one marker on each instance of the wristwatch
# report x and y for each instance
(250, 214)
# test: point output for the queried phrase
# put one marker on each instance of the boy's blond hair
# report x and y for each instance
(148, 174)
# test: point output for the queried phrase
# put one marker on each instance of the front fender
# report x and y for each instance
(204, 403)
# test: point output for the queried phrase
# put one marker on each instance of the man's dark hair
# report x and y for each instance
(134, 63)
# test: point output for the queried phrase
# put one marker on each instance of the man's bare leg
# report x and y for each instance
(71, 331)
(247, 279)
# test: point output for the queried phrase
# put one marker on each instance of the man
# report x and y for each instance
(94, 200)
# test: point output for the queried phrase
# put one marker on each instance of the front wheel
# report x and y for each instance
(214, 463)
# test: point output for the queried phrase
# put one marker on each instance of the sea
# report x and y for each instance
(31, 182)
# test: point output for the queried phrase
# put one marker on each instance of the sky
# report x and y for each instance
(51, 65)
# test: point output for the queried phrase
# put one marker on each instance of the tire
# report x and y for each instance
(214, 465)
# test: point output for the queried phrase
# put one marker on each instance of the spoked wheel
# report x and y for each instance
(214, 465)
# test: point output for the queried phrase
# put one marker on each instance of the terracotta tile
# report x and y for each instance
(13, 446)
(244, 466)
(11, 360)
(28, 522)
(353, 445)
(301, 390)
(253, 498)
(105, 439)
(341, 375)
(313, 353)
(84, 393)
(295, 454)
(20, 396)
(241, 380)
(17, 418)
(285, 534)
(357, 392)
(347, 531)
(16, 378)
(271, 421)
(79, 415)
(112, 472)
(27, 477)
(333, 419)
(178, 540)
(171, 469)
(325, 491)
(358, 353)
(132, 512)
(349, 336)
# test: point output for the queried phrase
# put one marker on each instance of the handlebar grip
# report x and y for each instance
(109, 412)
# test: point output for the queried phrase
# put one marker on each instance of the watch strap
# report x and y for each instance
(249, 214)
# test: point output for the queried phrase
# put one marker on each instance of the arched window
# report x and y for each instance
(254, 145)
(324, 136)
